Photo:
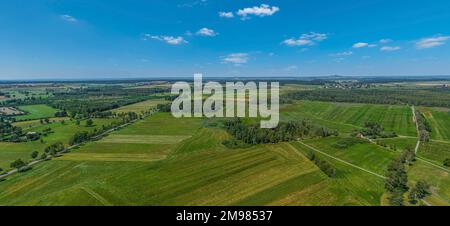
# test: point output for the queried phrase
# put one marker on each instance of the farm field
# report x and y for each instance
(439, 119)
(36, 112)
(437, 152)
(437, 178)
(210, 175)
(61, 133)
(197, 170)
(352, 186)
(347, 117)
(140, 107)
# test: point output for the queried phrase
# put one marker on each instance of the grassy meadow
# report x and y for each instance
(61, 133)
(439, 119)
(346, 117)
(36, 112)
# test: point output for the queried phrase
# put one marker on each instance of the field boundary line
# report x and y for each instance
(433, 164)
(342, 161)
(97, 196)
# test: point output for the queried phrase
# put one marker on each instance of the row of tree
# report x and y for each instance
(375, 130)
(423, 126)
(323, 165)
(397, 180)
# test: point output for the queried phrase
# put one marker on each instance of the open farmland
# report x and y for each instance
(161, 160)
(347, 117)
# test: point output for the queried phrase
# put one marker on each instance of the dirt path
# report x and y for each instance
(342, 161)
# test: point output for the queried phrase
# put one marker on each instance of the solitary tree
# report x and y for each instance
(34, 154)
(18, 164)
(447, 162)
(89, 123)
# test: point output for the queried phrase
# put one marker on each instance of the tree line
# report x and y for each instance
(323, 165)
(423, 126)
(433, 97)
(286, 131)
(396, 182)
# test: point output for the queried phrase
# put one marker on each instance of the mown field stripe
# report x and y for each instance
(96, 196)
(342, 161)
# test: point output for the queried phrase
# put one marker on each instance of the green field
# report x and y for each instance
(36, 112)
(166, 161)
(437, 152)
(347, 117)
(196, 170)
(13, 151)
(437, 178)
(439, 119)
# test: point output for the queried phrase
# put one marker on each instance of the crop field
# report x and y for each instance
(350, 180)
(36, 112)
(439, 119)
(261, 175)
(139, 107)
(348, 117)
(196, 171)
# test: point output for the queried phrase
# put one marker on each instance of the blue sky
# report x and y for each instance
(77, 39)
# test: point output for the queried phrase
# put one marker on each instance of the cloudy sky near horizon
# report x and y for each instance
(77, 39)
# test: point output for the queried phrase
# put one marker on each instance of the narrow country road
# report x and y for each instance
(417, 129)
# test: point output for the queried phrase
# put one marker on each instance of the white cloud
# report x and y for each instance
(385, 41)
(291, 68)
(427, 43)
(360, 45)
(167, 39)
(342, 54)
(226, 14)
(308, 39)
(236, 58)
(207, 32)
(261, 11)
(192, 4)
(69, 18)
(363, 44)
(390, 48)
